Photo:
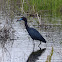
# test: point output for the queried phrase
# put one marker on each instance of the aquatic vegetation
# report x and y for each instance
(50, 56)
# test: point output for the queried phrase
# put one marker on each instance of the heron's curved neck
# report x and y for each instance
(26, 25)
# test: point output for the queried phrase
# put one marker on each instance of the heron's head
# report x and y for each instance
(22, 18)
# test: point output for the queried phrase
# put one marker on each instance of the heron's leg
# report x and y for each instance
(33, 45)
(39, 45)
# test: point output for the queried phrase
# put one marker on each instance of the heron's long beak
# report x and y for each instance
(19, 19)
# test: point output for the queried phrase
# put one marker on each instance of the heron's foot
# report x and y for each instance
(40, 48)
(39, 45)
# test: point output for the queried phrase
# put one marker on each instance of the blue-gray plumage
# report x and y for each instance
(35, 35)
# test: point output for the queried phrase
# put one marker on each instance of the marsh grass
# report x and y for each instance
(54, 6)
(46, 8)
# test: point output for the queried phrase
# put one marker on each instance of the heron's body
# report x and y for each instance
(34, 34)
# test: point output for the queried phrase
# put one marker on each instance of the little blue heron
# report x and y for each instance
(34, 34)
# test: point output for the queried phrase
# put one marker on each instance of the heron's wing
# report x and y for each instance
(35, 35)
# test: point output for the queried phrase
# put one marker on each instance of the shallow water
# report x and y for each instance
(23, 45)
